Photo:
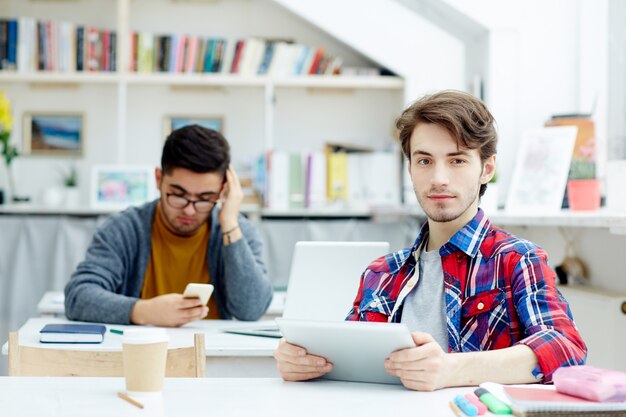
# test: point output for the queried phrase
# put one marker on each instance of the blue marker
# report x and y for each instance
(467, 407)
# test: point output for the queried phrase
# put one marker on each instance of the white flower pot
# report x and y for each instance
(72, 197)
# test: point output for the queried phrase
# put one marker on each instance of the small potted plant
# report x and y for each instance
(70, 181)
(67, 194)
(583, 189)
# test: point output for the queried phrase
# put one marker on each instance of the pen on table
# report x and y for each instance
(130, 400)
(455, 409)
(116, 331)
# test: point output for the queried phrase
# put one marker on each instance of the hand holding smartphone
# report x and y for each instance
(201, 291)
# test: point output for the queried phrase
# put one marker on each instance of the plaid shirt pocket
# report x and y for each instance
(485, 321)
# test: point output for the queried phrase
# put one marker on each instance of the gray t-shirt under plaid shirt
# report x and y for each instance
(425, 307)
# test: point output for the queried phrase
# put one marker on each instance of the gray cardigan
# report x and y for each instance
(107, 284)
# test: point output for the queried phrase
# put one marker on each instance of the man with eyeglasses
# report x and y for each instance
(140, 260)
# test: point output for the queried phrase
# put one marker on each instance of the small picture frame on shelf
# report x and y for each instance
(173, 122)
(53, 134)
(120, 186)
(541, 169)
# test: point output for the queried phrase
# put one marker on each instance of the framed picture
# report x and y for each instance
(120, 186)
(53, 134)
(541, 169)
(171, 123)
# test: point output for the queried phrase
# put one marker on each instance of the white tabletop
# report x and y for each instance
(52, 303)
(68, 397)
(217, 342)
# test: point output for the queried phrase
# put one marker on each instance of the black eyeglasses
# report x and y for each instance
(179, 202)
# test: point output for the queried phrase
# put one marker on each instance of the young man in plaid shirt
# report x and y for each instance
(481, 303)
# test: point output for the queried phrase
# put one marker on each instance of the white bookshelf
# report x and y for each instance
(565, 218)
(603, 219)
(125, 110)
(58, 78)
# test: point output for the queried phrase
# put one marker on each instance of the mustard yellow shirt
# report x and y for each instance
(176, 261)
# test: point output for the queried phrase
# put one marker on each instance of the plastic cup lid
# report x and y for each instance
(144, 335)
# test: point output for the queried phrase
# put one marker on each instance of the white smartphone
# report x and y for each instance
(202, 291)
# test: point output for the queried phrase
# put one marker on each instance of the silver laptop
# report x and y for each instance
(323, 282)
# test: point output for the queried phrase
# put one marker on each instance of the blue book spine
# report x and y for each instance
(267, 58)
(113, 52)
(208, 55)
(173, 51)
(12, 45)
(219, 55)
(80, 48)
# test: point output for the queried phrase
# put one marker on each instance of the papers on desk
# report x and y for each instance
(72, 333)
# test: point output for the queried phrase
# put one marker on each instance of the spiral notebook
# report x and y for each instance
(546, 401)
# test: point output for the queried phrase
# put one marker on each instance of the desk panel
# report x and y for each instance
(228, 355)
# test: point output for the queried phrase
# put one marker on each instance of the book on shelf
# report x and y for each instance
(248, 57)
(296, 181)
(28, 45)
(315, 180)
(324, 179)
(277, 180)
(530, 401)
(337, 177)
(72, 333)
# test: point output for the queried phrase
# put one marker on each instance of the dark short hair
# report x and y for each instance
(197, 149)
(464, 116)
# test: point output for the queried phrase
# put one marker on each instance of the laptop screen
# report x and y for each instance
(325, 276)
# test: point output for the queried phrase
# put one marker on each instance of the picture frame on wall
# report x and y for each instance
(53, 134)
(541, 169)
(121, 186)
(173, 122)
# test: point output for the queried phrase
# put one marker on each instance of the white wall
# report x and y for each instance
(534, 66)
(394, 36)
(544, 57)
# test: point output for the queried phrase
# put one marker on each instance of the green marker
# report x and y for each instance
(492, 402)
(116, 331)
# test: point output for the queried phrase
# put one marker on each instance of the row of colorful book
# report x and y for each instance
(320, 180)
(253, 56)
(28, 45)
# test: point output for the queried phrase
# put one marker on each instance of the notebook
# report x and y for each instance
(323, 282)
(546, 401)
(72, 333)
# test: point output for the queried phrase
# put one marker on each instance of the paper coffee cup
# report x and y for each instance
(145, 356)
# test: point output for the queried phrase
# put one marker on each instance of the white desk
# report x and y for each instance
(69, 397)
(228, 355)
(52, 304)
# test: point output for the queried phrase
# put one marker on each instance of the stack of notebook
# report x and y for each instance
(546, 401)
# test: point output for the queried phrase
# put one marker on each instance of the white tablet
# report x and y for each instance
(357, 350)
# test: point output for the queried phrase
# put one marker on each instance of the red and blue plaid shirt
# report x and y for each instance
(499, 291)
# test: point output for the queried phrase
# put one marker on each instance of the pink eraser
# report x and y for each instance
(591, 383)
(471, 397)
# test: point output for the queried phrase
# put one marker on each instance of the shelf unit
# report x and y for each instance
(603, 219)
(260, 112)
